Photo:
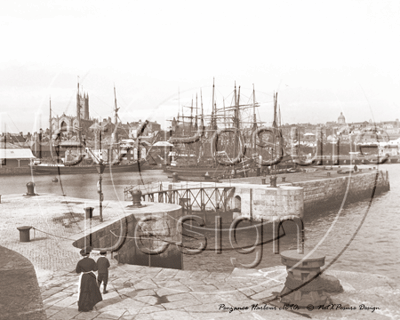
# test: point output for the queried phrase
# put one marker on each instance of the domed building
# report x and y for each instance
(341, 119)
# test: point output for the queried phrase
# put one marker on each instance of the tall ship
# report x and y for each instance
(229, 142)
(79, 145)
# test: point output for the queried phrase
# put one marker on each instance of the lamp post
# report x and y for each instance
(98, 128)
(100, 169)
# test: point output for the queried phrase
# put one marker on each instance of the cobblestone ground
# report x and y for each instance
(55, 219)
(154, 293)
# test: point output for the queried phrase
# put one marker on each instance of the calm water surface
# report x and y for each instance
(362, 237)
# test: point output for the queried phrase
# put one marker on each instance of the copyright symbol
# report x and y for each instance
(310, 307)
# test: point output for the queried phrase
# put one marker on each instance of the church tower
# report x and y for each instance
(86, 109)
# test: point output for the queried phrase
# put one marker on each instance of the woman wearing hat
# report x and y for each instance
(89, 292)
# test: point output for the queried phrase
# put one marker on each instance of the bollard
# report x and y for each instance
(263, 181)
(174, 177)
(298, 290)
(136, 198)
(283, 179)
(24, 234)
(186, 206)
(88, 212)
(30, 189)
(170, 194)
(272, 181)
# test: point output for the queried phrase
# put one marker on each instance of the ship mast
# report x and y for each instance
(224, 113)
(236, 122)
(50, 129)
(191, 117)
(195, 119)
(213, 113)
(115, 116)
(254, 117)
(274, 125)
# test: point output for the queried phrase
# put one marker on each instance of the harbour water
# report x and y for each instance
(362, 237)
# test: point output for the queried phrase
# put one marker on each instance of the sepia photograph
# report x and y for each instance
(199, 159)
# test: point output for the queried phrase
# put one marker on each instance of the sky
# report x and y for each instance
(321, 57)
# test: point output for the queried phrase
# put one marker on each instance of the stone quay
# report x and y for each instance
(60, 228)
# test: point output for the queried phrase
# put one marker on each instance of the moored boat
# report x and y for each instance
(50, 168)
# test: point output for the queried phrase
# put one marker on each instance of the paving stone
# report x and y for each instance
(87, 315)
(180, 297)
(210, 315)
(181, 304)
(130, 292)
(168, 284)
(51, 291)
(166, 274)
(202, 288)
(183, 274)
(247, 291)
(52, 310)
(151, 309)
(224, 287)
(205, 307)
(172, 315)
(51, 300)
(146, 284)
(71, 289)
(167, 291)
(65, 314)
(149, 300)
(143, 317)
(113, 313)
(199, 275)
(66, 302)
(186, 282)
(205, 297)
(262, 295)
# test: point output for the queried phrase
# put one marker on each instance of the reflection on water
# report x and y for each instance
(367, 230)
(81, 185)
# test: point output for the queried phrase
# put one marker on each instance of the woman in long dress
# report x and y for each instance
(89, 292)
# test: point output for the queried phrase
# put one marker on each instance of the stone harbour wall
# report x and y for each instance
(322, 194)
(262, 202)
(135, 240)
(15, 170)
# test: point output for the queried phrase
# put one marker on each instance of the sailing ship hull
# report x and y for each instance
(60, 169)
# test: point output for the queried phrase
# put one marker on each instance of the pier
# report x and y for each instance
(60, 228)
